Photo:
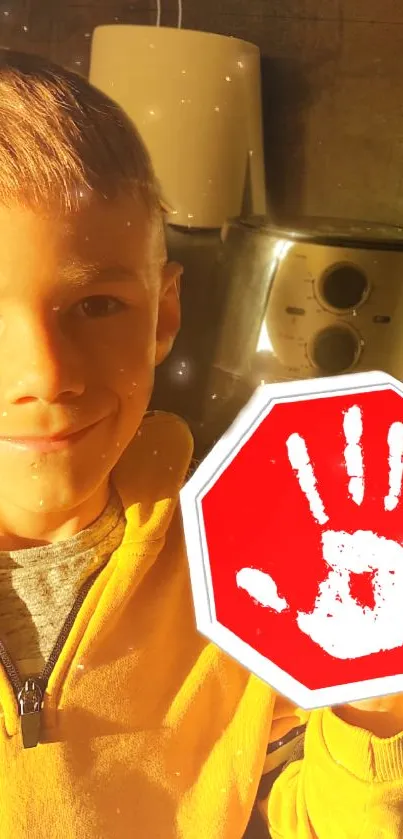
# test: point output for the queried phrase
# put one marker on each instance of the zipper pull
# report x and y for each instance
(30, 704)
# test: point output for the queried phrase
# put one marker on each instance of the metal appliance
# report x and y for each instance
(320, 297)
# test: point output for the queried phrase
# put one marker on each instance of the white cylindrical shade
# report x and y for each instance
(195, 97)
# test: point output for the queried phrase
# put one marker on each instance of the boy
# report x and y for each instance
(117, 718)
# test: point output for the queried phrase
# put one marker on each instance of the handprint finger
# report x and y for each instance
(352, 426)
(261, 587)
(395, 442)
(301, 464)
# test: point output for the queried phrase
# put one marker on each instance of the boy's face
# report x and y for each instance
(87, 308)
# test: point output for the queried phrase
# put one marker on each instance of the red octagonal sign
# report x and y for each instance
(294, 532)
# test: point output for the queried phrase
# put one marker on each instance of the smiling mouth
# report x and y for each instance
(55, 443)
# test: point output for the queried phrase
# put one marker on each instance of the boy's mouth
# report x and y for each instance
(47, 444)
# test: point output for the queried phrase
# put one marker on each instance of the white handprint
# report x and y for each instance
(337, 622)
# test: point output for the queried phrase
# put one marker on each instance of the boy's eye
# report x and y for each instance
(100, 306)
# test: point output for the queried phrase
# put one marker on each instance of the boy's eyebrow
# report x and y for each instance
(84, 273)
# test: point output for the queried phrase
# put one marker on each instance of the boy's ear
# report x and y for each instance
(169, 318)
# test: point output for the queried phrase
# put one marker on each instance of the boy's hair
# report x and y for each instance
(60, 137)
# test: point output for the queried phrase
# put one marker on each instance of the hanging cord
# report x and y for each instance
(180, 13)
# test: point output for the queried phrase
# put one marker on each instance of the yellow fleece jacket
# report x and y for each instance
(148, 730)
(348, 786)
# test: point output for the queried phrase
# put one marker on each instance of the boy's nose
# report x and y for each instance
(42, 364)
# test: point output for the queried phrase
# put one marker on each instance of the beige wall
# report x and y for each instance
(332, 86)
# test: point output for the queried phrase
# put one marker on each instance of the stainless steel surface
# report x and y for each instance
(325, 297)
(266, 303)
(323, 231)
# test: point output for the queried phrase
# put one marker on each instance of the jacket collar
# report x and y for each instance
(150, 474)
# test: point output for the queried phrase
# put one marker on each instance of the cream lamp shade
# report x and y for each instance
(195, 97)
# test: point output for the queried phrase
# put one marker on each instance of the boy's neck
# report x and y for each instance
(22, 529)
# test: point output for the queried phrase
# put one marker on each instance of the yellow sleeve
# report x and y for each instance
(287, 729)
(288, 724)
(348, 784)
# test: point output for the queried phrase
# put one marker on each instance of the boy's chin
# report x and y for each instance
(54, 491)
(62, 502)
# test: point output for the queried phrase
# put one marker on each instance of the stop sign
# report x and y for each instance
(294, 533)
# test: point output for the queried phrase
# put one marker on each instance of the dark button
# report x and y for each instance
(335, 350)
(344, 287)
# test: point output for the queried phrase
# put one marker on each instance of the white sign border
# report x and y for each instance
(191, 496)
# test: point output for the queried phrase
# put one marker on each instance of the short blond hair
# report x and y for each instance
(60, 137)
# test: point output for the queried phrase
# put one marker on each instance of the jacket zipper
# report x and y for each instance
(30, 691)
